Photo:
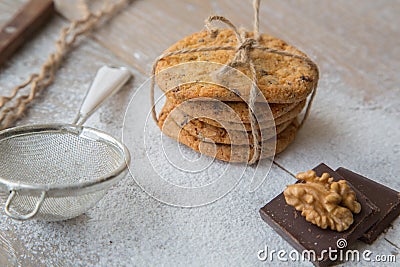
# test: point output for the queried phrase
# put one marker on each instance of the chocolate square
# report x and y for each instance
(385, 198)
(303, 235)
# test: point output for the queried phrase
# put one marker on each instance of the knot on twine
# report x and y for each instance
(242, 56)
(245, 44)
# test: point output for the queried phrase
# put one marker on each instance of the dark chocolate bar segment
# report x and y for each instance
(303, 235)
(385, 198)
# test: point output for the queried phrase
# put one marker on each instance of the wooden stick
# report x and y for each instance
(23, 25)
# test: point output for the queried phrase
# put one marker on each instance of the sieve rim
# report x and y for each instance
(7, 185)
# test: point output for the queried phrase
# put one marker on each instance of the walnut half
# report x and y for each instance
(322, 201)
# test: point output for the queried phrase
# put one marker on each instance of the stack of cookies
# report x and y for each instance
(214, 119)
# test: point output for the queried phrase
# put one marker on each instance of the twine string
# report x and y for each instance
(256, 25)
(242, 56)
(39, 81)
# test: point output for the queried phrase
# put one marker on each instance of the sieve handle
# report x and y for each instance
(107, 82)
(23, 217)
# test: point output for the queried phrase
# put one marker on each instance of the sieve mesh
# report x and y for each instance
(56, 158)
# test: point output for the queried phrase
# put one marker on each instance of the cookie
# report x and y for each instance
(261, 125)
(224, 152)
(281, 79)
(205, 131)
(237, 112)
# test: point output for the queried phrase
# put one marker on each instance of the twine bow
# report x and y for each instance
(242, 56)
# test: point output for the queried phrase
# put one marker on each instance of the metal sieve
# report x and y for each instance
(56, 172)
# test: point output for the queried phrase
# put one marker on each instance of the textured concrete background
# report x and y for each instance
(354, 123)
